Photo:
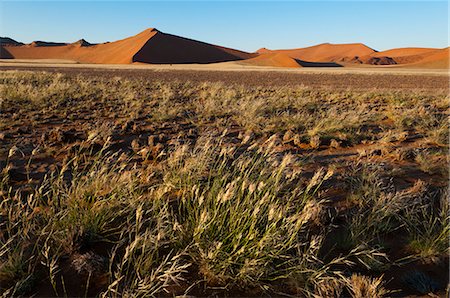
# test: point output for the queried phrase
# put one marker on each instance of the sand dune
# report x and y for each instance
(82, 43)
(6, 41)
(436, 59)
(402, 52)
(272, 59)
(166, 49)
(417, 56)
(149, 46)
(154, 47)
(349, 54)
(327, 52)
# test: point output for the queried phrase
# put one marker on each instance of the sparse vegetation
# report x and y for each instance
(130, 187)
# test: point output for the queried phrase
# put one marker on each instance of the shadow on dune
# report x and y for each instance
(4, 54)
(170, 49)
(39, 43)
(317, 64)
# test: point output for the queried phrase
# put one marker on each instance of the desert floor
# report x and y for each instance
(223, 180)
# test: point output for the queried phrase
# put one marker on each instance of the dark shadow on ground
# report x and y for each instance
(317, 64)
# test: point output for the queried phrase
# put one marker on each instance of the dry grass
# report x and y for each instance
(143, 188)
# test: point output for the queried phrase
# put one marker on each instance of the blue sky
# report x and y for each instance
(245, 25)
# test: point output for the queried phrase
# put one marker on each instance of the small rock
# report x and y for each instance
(135, 145)
(152, 140)
(127, 125)
(288, 136)
(334, 144)
(297, 140)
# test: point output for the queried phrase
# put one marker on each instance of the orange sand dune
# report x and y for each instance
(149, 46)
(166, 49)
(9, 41)
(155, 47)
(327, 52)
(436, 59)
(414, 56)
(273, 59)
(406, 55)
(401, 52)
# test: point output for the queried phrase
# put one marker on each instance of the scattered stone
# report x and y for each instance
(288, 136)
(157, 149)
(135, 145)
(61, 136)
(297, 140)
(314, 142)
(334, 144)
(152, 140)
(3, 136)
(127, 126)
(88, 263)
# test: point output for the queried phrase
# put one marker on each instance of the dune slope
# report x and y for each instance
(436, 59)
(273, 59)
(167, 48)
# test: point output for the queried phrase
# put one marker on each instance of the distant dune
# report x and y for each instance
(357, 53)
(6, 41)
(415, 57)
(436, 59)
(327, 52)
(154, 47)
(272, 59)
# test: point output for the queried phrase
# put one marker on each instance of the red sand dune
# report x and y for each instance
(149, 46)
(402, 52)
(155, 47)
(273, 59)
(371, 60)
(435, 58)
(327, 52)
(357, 53)
(9, 41)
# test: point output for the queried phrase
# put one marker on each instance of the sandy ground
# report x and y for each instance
(226, 66)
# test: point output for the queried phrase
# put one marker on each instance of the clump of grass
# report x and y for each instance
(147, 261)
(376, 213)
(238, 224)
(248, 224)
(332, 288)
(420, 282)
(362, 286)
(429, 230)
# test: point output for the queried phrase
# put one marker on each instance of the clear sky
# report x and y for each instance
(245, 25)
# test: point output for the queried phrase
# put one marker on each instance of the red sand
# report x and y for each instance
(435, 59)
(419, 57)
(402, 52)
(273, 59)
(327, 52)
(149, 46)
(155, 47)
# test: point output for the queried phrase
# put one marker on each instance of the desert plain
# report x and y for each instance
(162, 166)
